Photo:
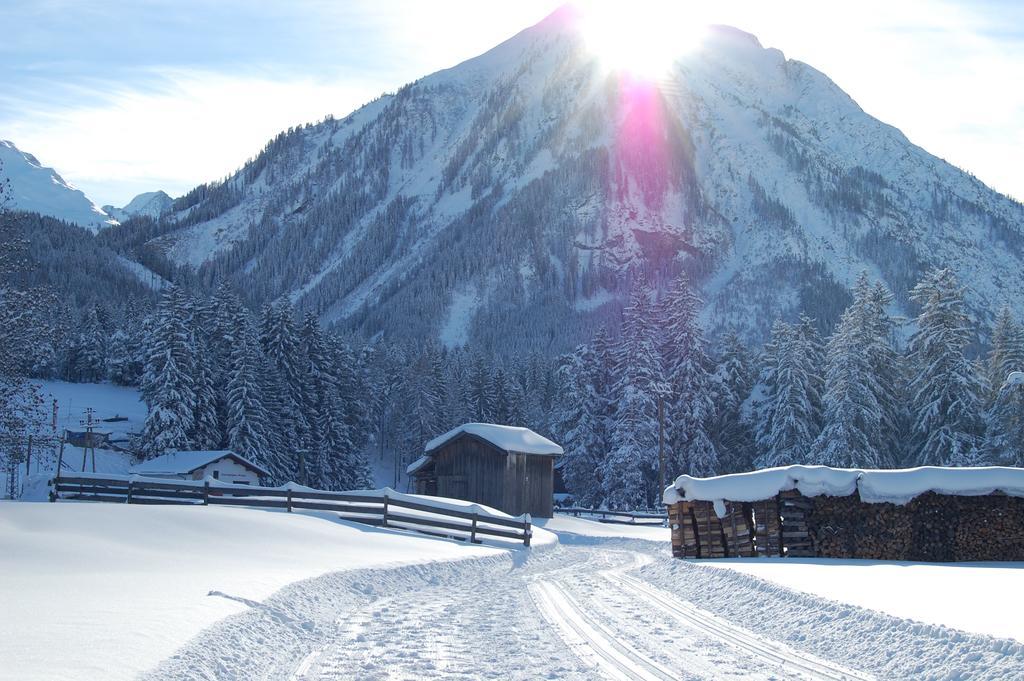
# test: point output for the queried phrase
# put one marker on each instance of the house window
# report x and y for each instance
(216, 475)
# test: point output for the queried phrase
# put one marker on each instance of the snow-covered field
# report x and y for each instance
(983, 598)
(106, 591)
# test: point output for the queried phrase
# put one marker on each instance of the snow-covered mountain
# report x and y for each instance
(149, 204)
(513, 198)
(39, 189)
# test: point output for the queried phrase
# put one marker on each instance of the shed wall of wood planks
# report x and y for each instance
(932, 527)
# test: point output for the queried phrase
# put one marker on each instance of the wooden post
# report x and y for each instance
(527, 532)
(472, 532)
(128, 499)
(206, 493)
(56, 476)
(289, 501)
(384, 519)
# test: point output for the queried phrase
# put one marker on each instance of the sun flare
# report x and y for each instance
(643, 38)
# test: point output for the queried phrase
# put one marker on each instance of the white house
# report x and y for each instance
(221, 465)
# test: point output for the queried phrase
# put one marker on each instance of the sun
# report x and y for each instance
(643, 38)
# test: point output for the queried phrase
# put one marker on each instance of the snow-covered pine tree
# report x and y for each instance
(1007, 351)
(280, 341)
(387, 379)
(1004, 433)
(517, 408)
(689, 405)
(206, 432)
(167, 384)
(247, 419)
(787, 418)
(945, 392)
(501, 390)
(582, 425)
(121, 352)
(852, 416)
(479, 391)
(814, 348)
(425, 397)
(731, 384)
(887, 370)
(92, 348)
(630, 471)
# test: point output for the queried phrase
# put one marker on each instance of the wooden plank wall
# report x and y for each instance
(471, 469)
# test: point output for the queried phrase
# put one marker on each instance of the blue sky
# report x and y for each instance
(125, 97)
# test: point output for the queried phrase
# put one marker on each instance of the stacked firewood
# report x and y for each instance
(846, 527)
(989, 528)
(931, 527)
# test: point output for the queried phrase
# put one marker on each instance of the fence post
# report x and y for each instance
(472, 532)
(206, 492)
(289, 500)
(527, 532)
(384, 519)
(128, 498)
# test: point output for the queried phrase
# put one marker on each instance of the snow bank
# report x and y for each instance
(508, 438)
(982, 598)
(106, 591)
(875, 486)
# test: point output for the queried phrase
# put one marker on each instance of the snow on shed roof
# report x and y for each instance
(417, 464)
(507, 438)
(182, 463)
(875, 486)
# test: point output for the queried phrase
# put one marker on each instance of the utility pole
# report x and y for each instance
(89, 444)
(661, 444)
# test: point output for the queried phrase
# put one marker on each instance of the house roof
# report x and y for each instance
(183, 463)
(505, 438)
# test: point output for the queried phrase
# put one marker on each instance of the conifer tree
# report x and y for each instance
(944, 389)
(583, 424)
(689, 406)
(1007, 351)
(731, 384)
(852, 414)
(167, 384)
(247, 419)
(1004, 437)
(92, 345)
(630, 471)
(480, 392)
(787, 422)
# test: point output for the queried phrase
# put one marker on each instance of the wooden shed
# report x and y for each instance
(508, 468)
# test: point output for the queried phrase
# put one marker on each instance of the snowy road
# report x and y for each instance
(591, 610)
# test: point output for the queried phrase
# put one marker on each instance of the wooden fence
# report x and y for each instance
(616, 517)
(380, 508)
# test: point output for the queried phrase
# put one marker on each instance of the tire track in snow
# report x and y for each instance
(593, 642)
(772, 652)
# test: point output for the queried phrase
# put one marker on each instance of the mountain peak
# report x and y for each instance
(149, 204)
(39, 189)
(534, 178)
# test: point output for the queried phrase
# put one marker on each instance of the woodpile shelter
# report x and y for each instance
(917, 514)
(222, 465)
(508, 468)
